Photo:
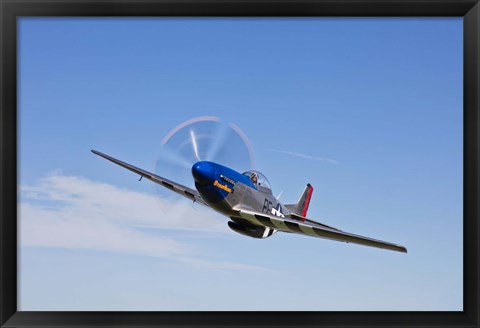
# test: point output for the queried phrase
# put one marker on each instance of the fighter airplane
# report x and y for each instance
(247, 200)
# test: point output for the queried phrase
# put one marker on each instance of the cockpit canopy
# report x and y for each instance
(261, 181)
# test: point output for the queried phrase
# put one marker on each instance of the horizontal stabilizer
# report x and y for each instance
(304, 219)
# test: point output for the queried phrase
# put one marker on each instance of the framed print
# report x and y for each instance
(307, 163)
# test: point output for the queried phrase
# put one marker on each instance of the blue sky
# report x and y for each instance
(381, 99)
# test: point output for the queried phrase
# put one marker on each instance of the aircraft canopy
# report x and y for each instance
(262, 180)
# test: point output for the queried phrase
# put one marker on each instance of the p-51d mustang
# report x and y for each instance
(248, 201)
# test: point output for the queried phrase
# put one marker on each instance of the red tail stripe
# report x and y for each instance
(307, 201)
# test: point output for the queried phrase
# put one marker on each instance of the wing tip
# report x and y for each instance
(399, 248)
(96, 152)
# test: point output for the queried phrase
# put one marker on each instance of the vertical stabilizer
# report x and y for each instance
(301, 207)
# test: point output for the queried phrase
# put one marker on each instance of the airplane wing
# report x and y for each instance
(314, 229)
(173, 186)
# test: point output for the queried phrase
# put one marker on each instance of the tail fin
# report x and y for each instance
(301, 207)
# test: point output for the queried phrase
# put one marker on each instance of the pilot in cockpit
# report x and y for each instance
(254, 178)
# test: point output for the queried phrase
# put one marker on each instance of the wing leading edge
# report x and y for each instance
(314, 229)
(173, 186)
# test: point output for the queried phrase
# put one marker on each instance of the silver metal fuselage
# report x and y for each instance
(226, 190)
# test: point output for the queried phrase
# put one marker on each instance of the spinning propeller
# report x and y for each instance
(202, 139)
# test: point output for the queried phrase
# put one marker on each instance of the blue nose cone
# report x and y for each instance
(203, 172)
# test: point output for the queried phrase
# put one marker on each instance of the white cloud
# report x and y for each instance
(76, 213)
(102, 202)
(315, 158)
(67, 229)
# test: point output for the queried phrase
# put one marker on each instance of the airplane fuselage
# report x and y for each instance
(224, 189)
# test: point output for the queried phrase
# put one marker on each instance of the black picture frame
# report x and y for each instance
(10, 10)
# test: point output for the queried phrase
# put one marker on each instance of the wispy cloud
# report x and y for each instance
(291, 153)
(77, 213)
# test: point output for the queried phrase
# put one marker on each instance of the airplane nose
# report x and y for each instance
(202, 172)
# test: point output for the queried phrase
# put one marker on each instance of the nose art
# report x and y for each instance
(202, 172)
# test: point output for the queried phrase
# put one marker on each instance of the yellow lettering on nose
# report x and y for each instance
(223, 187)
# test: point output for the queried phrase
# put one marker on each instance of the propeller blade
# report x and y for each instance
(194, 144)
